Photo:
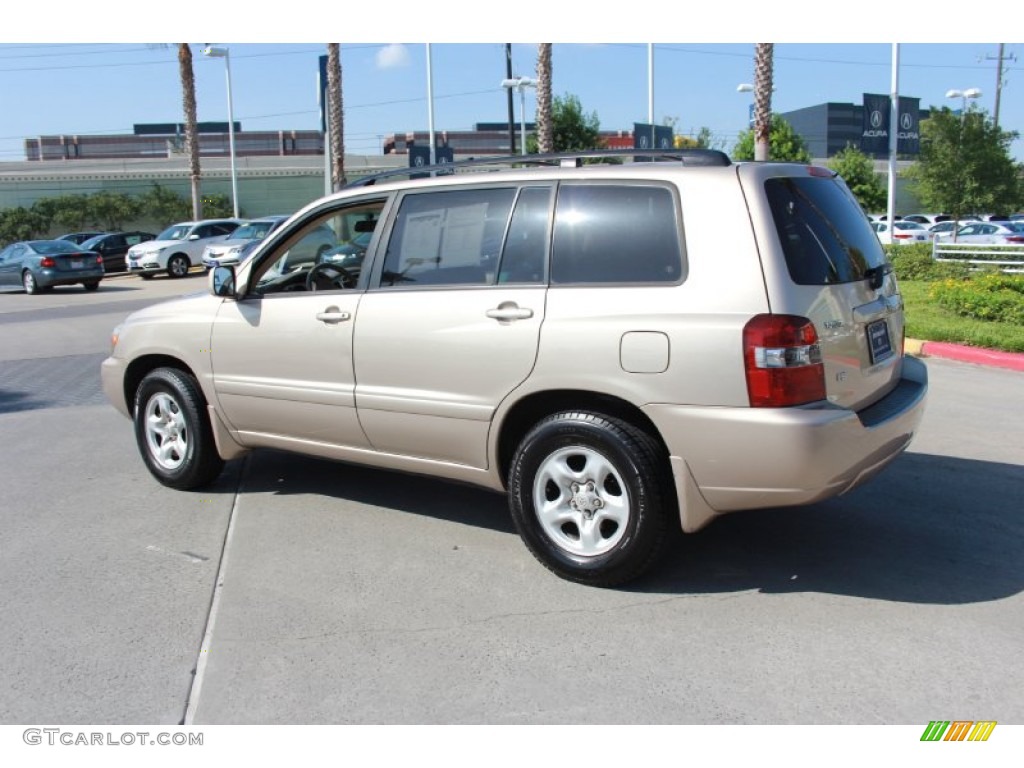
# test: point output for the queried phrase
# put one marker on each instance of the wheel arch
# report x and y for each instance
(524, 414)
(141, 366)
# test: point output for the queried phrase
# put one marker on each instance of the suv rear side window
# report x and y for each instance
(448, 238)
(825, 237)
(615, 234)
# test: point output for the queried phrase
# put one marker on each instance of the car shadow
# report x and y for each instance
(929, 529)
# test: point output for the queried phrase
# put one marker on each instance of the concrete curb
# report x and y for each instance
(1013, 361)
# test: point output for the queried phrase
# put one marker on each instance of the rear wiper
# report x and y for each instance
(876, 275)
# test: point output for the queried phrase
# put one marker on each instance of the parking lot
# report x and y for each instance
(303, 591)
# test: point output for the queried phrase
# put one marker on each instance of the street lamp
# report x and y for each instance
(520, 84)
(953, 93)
(969, 93)
(224, 53)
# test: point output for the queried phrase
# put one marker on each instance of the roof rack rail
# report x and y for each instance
(688, 157)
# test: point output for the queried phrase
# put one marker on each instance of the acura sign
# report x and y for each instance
(874, 139)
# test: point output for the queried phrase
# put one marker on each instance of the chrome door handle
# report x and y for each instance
(332, 315)
(509, 310)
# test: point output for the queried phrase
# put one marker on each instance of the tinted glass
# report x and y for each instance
(615, 234)
(524, 256)
(824, 235)
(448, 238)
(54, 247)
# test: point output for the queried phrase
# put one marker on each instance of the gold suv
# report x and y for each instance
(625, 349)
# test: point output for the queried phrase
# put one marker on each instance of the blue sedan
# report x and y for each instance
(38, 265)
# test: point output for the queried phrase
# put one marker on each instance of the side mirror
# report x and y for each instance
(222, 282)
(193, 237)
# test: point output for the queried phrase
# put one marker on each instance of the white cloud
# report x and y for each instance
(392, 56)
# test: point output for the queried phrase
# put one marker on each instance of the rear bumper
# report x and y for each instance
(47, 278)
(750, 458)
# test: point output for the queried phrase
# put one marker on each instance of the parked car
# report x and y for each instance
(178, 248)
(229, 251)
(991, 232)
(551, 334)
(38, 265)
(79, 237)
(350, 255)
(902, 232)
(945, 229)
(113, 247)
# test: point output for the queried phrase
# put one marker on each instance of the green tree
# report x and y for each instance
(21, 224)
(858, 171)
(572, 128)
(965, 165)
(111, 210)
(785, 144)
(165, 205)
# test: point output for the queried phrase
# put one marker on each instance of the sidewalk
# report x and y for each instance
(1013, 361)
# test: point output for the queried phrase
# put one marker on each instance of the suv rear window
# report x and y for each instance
(825, 236)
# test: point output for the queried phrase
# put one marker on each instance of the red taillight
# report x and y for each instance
(99, 260)
(783, 361)
(902, 237)
(47, 262)
(1015, 238)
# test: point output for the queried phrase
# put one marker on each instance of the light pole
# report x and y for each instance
(968, 93)
(224, 53)
(747, 88)
(520, 84)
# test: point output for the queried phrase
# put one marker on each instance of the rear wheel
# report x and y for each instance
(146, 275)
(173, 431)
(587, 495)
(177, 265)
(92, 285)
(28, 280)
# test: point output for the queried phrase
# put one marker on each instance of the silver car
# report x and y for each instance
(588, 339)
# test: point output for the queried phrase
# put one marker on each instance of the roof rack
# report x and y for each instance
(688, 157)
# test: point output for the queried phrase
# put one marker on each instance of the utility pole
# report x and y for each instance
(999, 78)
(511, 108)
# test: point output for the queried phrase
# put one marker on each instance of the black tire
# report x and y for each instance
(178, 265)
(146, 275)
(173, 432)
(606, 480)
(92, 285)
(28, 282)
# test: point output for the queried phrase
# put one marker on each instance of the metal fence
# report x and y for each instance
(1008, 258)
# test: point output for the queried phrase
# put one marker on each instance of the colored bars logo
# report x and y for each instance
(958, 730)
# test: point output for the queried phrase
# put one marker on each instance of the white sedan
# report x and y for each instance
(996, 233)
(902, 232)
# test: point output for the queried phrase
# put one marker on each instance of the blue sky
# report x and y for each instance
(68, 79)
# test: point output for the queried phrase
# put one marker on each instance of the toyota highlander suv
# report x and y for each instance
(178, 248)
(625, 350)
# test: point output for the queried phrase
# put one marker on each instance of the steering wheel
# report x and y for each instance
(321, 279)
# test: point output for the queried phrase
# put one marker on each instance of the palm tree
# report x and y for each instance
(188, 98)
(762, 98)
(545, 128)
(336, 124)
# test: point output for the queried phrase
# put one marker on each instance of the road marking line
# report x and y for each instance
(204, 650)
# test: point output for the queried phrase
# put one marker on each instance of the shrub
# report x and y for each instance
(915, 262)
(987, 296)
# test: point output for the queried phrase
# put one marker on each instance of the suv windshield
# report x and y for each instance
(825, 236)
(177, 232)
(254, 230)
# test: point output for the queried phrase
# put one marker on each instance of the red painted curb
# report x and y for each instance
(1014, 361)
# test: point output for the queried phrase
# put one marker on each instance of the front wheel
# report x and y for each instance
(587, 494)
(178, 265)
(172, 430)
